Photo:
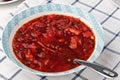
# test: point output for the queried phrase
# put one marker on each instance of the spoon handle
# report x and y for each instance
(99, 68)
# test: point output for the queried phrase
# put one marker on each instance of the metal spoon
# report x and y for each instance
(98, 68)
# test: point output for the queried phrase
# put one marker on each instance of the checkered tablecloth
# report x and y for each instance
(104, 11)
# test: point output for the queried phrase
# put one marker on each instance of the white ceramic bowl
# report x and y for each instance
(40, 10)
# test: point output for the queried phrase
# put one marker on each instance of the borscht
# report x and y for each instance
(50, 43)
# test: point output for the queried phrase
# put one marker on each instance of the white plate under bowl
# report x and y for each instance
(6, 2)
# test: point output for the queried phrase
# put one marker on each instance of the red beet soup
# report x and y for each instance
(51, 42)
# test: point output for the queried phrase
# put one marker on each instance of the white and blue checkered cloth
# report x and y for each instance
(104, 11)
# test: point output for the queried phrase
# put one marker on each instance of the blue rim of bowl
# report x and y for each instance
(48, 8)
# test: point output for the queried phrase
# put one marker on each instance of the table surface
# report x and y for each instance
(103, 10)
